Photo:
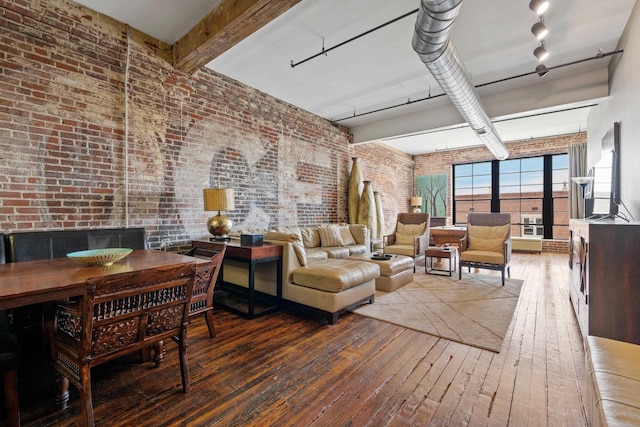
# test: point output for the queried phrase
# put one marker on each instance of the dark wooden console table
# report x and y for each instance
(250, 255)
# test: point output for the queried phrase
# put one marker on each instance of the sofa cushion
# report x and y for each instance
(316, 254)
(347, 237)
(359, 233)
(310, 237)
(357, 249)
(336, 252)
(292, 238)
(335, 275)
(613, 386)
(330, 237)
(487, 238)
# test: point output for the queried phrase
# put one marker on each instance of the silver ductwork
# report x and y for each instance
(433, 45)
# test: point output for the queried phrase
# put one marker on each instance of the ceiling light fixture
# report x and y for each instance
(540, 52)
(539, 30)
(542, 70)
(539, 6)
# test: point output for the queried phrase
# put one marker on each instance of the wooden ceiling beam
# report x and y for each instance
(229, 23)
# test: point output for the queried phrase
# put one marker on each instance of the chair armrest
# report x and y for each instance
(68, 320)
(462, 244)
(507, 250)
(389, 239)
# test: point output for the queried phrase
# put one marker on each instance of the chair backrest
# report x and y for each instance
(125, 312)
(206, 279)
(413, 218)
(489, 219)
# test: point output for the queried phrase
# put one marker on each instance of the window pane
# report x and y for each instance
(508, 166)
(482, 168)
(463, 170)
(532, 164)
(560, 161)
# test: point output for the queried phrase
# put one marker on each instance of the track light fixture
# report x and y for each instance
(539, 6)
(542, 70)
(539, 30)
(540, 52)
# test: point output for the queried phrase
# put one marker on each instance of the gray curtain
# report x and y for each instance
(577, 167)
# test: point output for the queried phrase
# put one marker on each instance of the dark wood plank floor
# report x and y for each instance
(291, 369)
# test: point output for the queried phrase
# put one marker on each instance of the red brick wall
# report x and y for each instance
(391, 174)
(63, 147)
(442, 162)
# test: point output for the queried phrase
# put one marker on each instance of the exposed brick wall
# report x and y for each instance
(64, 151)
(66, 163)
(391, 174)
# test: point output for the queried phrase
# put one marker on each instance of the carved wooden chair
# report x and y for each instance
(487, 243)
(120, 314)
(204, 285)
(410, 237)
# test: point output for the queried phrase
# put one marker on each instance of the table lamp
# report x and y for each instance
(416, 203)
(219, 199)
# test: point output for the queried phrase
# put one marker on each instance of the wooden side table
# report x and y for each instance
(449, 253)
(250, 255)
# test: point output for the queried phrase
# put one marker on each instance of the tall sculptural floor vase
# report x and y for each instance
(355, 190)
(367, 210)
(379, 214)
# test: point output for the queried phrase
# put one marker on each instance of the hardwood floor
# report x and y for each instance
(290, 369)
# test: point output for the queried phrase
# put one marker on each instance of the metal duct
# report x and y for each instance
(432, 44)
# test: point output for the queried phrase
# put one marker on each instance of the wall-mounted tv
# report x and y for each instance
(604, 193)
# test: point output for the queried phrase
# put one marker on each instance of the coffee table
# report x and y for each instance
(449, 253)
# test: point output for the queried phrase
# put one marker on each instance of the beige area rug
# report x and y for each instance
(476, 310)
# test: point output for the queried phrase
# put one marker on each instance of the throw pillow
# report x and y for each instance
(412, 229)
(404, 239)
(347, 237)
(487, 238)
(310, 237)
(330, 236)
(292, 238)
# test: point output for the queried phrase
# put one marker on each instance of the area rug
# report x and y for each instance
(475, 310)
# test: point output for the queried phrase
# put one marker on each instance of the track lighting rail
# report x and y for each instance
(325, 51)
(599, 55)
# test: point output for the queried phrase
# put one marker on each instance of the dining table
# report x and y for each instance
(31, 282)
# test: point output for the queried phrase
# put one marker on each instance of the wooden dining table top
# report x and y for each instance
(30, 282)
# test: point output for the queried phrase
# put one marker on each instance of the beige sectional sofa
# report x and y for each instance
(314, 272)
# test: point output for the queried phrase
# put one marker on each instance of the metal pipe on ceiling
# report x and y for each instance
(432, 43)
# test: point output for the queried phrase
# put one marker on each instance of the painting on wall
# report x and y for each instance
(433, 189)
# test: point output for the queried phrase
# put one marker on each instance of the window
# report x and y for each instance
(534, 190)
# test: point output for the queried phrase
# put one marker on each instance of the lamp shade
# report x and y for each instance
(416, 201)
(539, 6)
(539, 30)
(218, 199)
(541, 53)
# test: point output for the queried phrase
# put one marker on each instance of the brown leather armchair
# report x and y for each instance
(410, 238)
(487, 243)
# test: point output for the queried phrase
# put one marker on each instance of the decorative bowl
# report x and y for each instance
(105, 256)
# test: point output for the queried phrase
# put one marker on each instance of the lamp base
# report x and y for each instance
(219, 226)
(417, 209)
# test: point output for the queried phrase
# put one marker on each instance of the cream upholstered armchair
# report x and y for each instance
(410, 238)
(487, 243)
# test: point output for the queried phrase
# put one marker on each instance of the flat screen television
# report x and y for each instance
(604, 192)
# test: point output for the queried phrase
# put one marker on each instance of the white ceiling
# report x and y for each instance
(381, 70)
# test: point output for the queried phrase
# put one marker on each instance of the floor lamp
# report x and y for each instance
(583, 181)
